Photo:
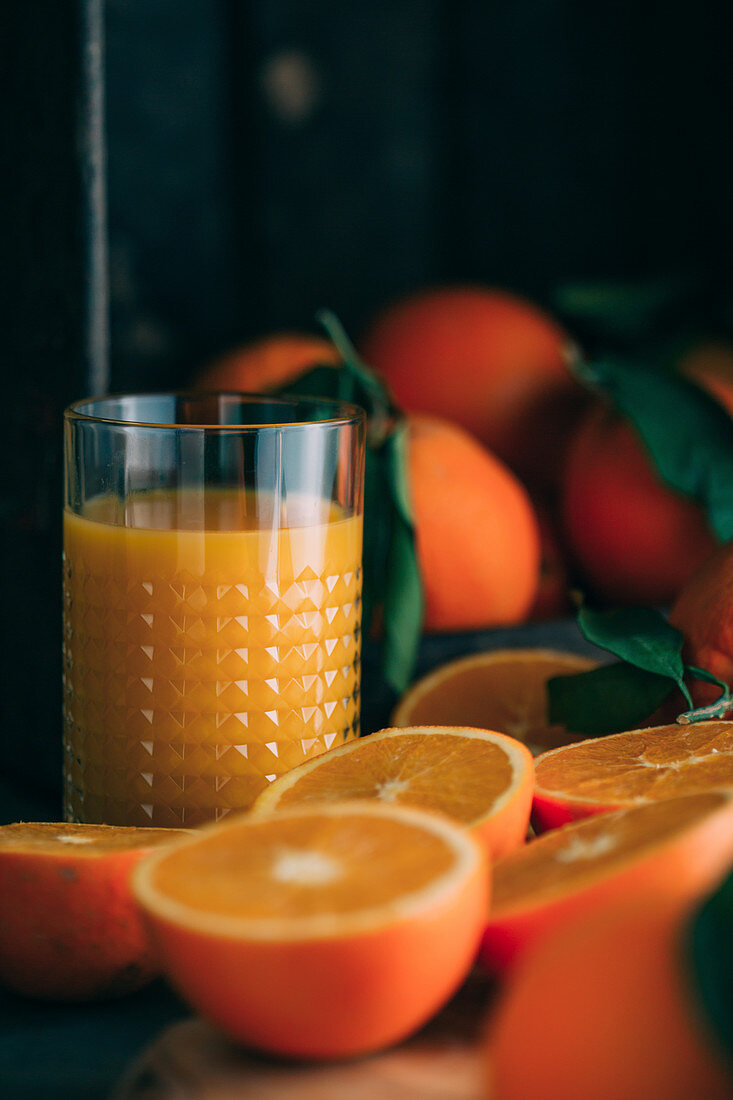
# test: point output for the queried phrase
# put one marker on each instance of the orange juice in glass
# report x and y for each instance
(212, 594)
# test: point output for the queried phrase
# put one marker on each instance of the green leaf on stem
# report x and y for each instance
(606, 699)
(719, 708)
(403, 602)
(378, 403)
(621, 695)
(642, 637)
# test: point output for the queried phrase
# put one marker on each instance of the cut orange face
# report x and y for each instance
(504, 689)
(319, 931)
(670, 851)
(609, 773)
(480, 778)
(69, 926)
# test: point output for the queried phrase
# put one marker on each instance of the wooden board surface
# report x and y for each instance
(191, 1061)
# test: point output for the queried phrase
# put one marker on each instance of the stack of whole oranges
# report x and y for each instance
(523, 487)
(478, 537)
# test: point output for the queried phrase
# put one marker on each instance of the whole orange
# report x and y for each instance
(488, 360)
(476, 530)
(268, 362)
(614, 1016)
(477, 536)
(636, 539)
(703, 612)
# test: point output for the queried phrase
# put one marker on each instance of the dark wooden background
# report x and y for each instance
(268, 157)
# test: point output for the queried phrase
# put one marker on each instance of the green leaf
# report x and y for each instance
(379, 405)
(687, 433)
(626, 313)
(708, 677)
(709, 955)
(607, 699)
(336, 383)
(403, 595)
(619, 696)
(640, 635)
(377, 535)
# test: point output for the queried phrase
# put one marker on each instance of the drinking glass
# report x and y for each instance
(212, 599)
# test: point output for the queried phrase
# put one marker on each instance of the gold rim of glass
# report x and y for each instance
(344, 412)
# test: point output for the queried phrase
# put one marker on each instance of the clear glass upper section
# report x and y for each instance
(133, 459)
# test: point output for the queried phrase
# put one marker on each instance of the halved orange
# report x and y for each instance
(319, 931)
(504, 689)
(478, 777)
(69, 926)
(608, 773)
(672, 850)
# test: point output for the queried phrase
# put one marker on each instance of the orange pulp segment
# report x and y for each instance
(624, 769)
(279, 875)
(504, 689)
(319, 931)
(671, 850)
(478, 777)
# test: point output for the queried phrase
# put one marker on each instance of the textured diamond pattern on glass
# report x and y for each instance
(184, 697)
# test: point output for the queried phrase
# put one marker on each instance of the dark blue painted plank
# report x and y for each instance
(53, 316)
(271, 156)
(580, 135)
(77, 1052)
(173, 264)
(345, 153)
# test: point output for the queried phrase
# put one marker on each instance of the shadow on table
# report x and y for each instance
(77, 1052)
(442, 1061)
